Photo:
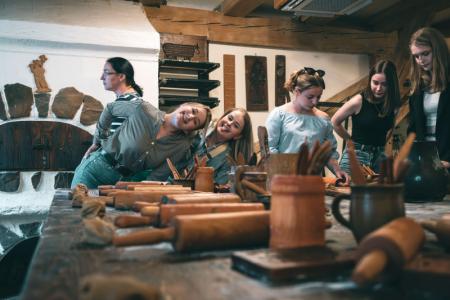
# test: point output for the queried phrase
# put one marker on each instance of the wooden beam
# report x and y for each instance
(401, 13)
(277, 4)
(239, 8)
(267, 32)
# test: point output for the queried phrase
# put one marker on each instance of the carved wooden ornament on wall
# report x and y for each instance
(256, 83)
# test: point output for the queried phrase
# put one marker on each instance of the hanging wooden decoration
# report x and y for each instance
(281, 94)
(229, 82)
(256, 83)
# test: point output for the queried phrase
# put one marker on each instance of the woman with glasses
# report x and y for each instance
(299, 121)
(373, 115)
(429, 102)
(145, 139)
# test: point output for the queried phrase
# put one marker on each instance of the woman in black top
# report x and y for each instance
(373, 114)
(429, 103)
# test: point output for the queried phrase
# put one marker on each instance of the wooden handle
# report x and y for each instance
(132, 221)
(250, 185)
(139, 205)
(201, 198)
(357, 175)
(369, 267)
(149, 211)
(263, 142)
(403, 153)
(145, 237)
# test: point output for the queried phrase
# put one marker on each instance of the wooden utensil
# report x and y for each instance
(201, 198)
(396, 243)
(255, 188)
(302, 163)
(441, 228)
(263, 139)
(403, 154)
(125, 221)
(125, 199)
(355, 168)
(206, 232)
(163, 215)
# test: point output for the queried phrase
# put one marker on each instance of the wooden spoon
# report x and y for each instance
(355, 169)
(403, 154)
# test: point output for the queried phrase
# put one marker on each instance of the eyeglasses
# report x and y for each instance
(107, 73)
(312, 71)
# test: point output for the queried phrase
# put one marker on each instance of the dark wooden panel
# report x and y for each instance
(42, 145)
(256, 83)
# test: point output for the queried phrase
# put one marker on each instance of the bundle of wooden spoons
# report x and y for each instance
(312, 162)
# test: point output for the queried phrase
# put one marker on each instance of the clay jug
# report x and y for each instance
(204, 180)
(297, 216)
(426, 179)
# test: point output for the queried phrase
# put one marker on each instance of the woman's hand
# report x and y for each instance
(344, 176)
(446, 164)
(91, 149)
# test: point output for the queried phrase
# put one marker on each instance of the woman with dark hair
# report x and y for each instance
(145, 139)
(299, 121)
(429, 102)
(373, 115)
(230, 135)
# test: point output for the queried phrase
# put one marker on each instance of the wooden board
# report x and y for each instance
(201, 44)
(256, 83)
(283, 266)
(281, 94)
(229, 82)
(429, 272)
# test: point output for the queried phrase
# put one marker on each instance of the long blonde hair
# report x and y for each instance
(420, 79)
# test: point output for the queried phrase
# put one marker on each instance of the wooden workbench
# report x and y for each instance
(61, 261)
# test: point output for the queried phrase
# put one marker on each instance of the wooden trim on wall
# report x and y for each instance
(229, 82)
(281, 33)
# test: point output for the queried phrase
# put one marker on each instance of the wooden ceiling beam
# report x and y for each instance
(239, 8)
(280, 33)
(401, 13)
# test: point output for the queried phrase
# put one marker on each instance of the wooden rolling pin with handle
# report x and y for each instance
(395, 243)
(206, 232)
(126, 199)
(161, 216)
(201, 197)
(441, 228)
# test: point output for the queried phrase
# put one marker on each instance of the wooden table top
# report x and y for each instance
(61, 261)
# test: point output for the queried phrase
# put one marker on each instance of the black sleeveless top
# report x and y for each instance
(367, 127)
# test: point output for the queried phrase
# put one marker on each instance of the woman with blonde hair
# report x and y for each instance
(429, 101)
(231, 135)
(299, 121)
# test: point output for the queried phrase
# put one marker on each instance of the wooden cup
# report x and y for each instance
(297, 212)
(204, 180)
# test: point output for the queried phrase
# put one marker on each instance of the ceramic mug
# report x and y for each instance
(371, 206)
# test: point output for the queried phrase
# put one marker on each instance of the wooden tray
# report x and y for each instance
(284, 266)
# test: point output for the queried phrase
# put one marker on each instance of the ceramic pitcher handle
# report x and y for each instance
(336, 210)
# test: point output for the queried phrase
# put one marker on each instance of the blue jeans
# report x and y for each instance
(367, 155)
(95, 170)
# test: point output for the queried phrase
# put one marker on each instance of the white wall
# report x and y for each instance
(341, 71)
(77, 37)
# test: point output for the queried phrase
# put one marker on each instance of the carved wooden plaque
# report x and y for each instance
(229, 82)
(281, 94)
(42, 145)
(183, 43)
(256, 83)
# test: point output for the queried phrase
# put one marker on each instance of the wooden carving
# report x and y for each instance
(183, 47)
(281, 94)
(256, 83)
(37, 68)
(179, 51)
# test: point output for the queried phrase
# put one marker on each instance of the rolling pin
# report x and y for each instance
(395, 243)
(161, 216)
(206, 232)
(125, 184)
(138, 205)
(157, 187)
(200, 198)
(125, 199)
